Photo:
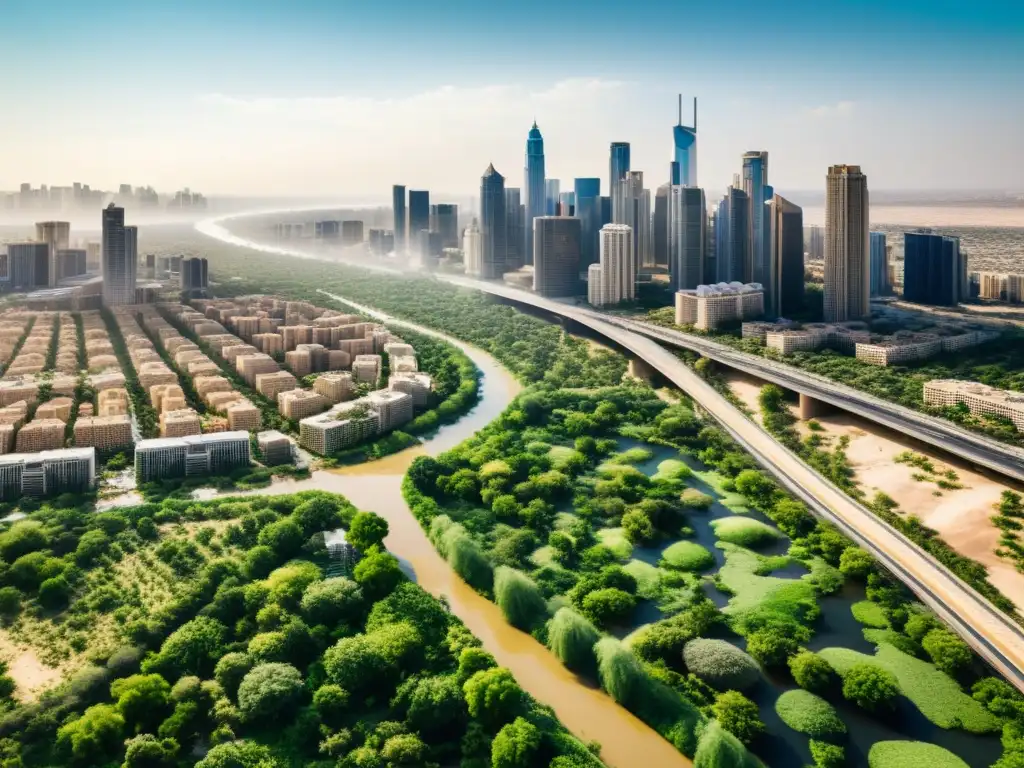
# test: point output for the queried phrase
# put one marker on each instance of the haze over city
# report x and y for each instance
(340, 100)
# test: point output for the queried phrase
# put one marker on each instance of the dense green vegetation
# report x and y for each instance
(223, 632)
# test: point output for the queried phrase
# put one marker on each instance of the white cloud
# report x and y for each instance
(828, 110)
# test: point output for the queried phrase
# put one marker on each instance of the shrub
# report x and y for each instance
(870, 687)
(947, 651)
(362, 662)
(620, 672)
(378, 574)
(687, 556)
(571, 638)
(516, 745)
(268, 690)
(738, 715)
(609, 606)
(368, 530)
(141, 699)
(637, 526)
(493, 696)
(810, 714)
(437, 708)
(856, 563)
(691, 498)
(827, 755)
(239, 754)
(721, 664)
(771, 647)
(91, 738)
(147, 751)
(192, 649)
(469, 562)
(911, 754)
(10, 601)
(919, 625)
(404, 749)
(812, 672)
(331, 701)
(54, 593)
(520, 600)
(230, 670)
(718, 748)
(744, 531)
(332, 602)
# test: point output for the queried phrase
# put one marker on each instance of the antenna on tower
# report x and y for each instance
(680, 109)
(694, 114)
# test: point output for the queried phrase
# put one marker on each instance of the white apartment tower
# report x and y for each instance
(471, 249)
(847, 260)
(614, 279)
(631, 205)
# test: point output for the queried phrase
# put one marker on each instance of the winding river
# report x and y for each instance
(584, 709)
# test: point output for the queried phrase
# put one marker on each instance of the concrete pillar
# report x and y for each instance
(638, 369)
(811, 408)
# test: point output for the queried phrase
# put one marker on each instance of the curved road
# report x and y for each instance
(990, 632)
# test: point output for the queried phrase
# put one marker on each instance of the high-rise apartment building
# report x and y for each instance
(613, 280)
(56, 234)
(471, 249)
(732, 236)
(755, 184)
(535, 201)
(120, 257)
(785, 292)
(194, 274)
(659, 225)
(588, 211)
(444, 219)
(556, 252)
(814, 242)
(515, 246)
(493, 241)
(631, 205)
(879, 264)
(934, 269)
(398, 206)
(27, 266)
(684, 149)
(618, 164)
(687, 232)
(552, 189)
(419, 214)
(847, 279)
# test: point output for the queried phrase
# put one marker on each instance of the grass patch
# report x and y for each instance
(761, 594)
(615, 539)
(806, 713)
(912, 754)
(545, 557)
(559, 455)
(564, 521)
(635, 455)
(870, 614)
(722, 486)
(648, 578)
(687, 556)
(744, 531)
(933, 692)
(672, 469)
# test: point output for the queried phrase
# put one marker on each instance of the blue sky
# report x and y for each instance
(333, 96)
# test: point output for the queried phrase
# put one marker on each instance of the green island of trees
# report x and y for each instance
(222, 634)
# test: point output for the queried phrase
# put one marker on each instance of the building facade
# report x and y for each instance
(618, 164)
(444, 219)
(879, 264)
(684, 150)
(588, 211)
(613, 280)
(755, 184)
(493, 230)
(398, 206)
(419, 215)
(471, 249)
(534, 185)
(732, 236)
(631, 206)
(713, 306)
(556, 251)
(933, 269)
(120, 254)
(847, 278)
(686, 233)
(785, 291)
(515, 245)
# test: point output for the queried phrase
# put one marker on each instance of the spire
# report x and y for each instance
(694, 114)
(680, 109)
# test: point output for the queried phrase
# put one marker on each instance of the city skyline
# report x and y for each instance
(203, 124)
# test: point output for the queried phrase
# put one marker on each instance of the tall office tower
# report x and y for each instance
(444, 219)
(552, 189)
(755, 182)
(493, 240)
(618, 164)
(567, 202)
(587, 193)
(120, 254)
(710, 251)
(933, 269)
(515, 248)
(879, 264)
(27, 266)
(419, 214)
(659, 225)
(814, 242)
(56, 234)
(785, 292)
(847, 279)
(684, 149)
(194, 274)
(535, 185)
(631, 205)
(471, 249)
(398, 206)
(732, 236)
(687, 233)
(612, 280)
(556, 255)
(606, 210)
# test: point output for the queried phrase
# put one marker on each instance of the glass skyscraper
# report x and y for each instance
(398, 205)
(687, 225)
(444, 219)
(684, 149)
(785, 293)
(755, 184)
(535, 187)
(515, 248)
(552, 188)
(934, 269)
(588, 211)
(492, 224)
(419, 214)
(618, 164)
(879, 264)
(732, 236)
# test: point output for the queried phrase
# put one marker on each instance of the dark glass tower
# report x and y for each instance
(419, 213)
(493, 224)
(398, 205)
(588, 211)
(515, 248)
(684, 149)
(618, 164)
(932, 269)
(786, 244)
(444, 219)
(535, 187)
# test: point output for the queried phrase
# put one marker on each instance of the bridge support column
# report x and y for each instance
(810, 408)
(638, 369)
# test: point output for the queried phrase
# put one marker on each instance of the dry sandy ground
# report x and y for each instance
(961, 517)
(30, 675)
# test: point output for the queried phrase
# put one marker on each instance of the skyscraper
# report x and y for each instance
(613, 280)
(419, 215)
(493, 243)
(27, 266)
(120, 250)
(847, 281)
(659, 225)
(618, 164)
(471, 249)
(56, 234)
(933, 269)
(755, 181)
(515, 247)
(631, 205)
(686, 232)
(535, 187)
(552, 188)
(732, 236)
(588, 211)
(684, 149)
(556, 255)
(785, 292)
(879, 264)
(398, 206)
(444, 219)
